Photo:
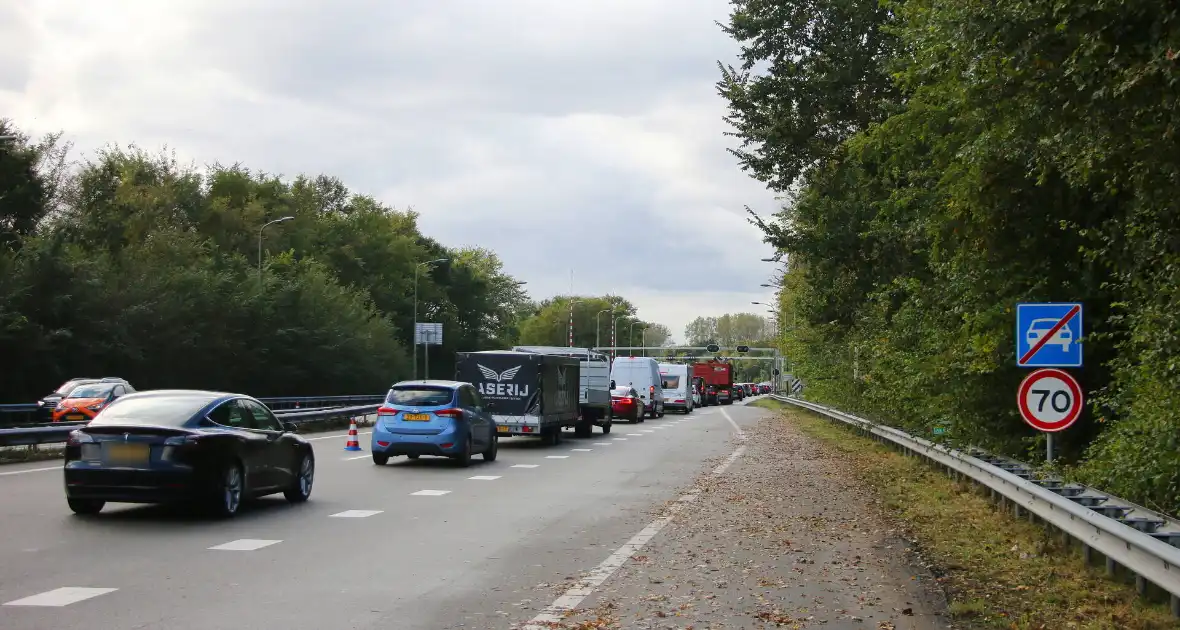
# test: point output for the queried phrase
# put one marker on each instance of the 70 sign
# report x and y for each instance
(1050, 400)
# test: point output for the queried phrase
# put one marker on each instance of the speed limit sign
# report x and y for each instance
(1050, 400)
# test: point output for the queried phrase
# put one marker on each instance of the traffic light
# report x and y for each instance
(713, 347)
(776, 371)
(743, 348)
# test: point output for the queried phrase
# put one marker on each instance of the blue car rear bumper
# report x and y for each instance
(449, 443)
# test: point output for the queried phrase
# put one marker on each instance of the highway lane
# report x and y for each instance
(467, 555)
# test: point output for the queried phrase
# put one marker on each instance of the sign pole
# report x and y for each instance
(1049, 447)
(426, 354)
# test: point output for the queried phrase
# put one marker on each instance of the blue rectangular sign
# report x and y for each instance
(1043, 340)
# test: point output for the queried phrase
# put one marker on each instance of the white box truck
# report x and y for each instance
(593, 385)
(642, 373)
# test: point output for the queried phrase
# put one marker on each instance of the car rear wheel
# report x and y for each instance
(380, 459)
(493, 449)
(228, 496)
(464, 458)
(606, 427)
(300, 489)
(86, 506)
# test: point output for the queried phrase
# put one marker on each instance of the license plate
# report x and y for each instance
(128, 453)
(75, 417)
(417, 417)
(503, 429)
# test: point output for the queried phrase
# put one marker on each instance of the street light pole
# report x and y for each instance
(264, 226)
(643, 339)
(614, 346)
(414, 334)
(598, 327)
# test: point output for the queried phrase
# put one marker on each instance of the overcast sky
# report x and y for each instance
(565, 135)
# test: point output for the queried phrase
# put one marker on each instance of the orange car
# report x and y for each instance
(85, 401)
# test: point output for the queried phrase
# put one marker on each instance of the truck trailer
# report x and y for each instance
(718, 378)
(594, 404)
(527, 393)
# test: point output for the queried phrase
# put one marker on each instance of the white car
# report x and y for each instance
(1040, 327)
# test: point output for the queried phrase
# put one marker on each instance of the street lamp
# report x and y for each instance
(264, 226)
(417, 269)
(643, 339)
(598, 327)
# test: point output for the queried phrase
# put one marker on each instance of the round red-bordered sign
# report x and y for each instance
(1050, 400)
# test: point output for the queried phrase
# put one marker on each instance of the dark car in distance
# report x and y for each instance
(167, 446)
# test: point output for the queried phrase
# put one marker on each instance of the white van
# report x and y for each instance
(642, 373)
(677, 383)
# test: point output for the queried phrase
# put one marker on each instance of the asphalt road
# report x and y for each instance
(433, 546)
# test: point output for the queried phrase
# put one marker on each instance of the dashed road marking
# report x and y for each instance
(349, 459)
(602, 444)
(619, 439)
(429, 493)
(525, 465)
(647, 430)
(356, 513)
(634, 435)
(245, 544)
(581, 450)
(61, 596)
(557, 457)
(485, 477)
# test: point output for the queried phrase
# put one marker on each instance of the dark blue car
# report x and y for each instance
(441, 418)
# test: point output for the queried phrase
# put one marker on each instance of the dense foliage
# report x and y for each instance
(131, 265)
(593, 318)
(946, 160)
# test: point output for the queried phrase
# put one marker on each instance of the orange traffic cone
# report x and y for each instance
(353, 444)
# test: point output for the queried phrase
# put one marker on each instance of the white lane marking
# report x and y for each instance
(429, 493)
(31, 470)
(556, 612)
(342, 436)
(356, 513)
(349, 459)
(61, 596)
(602, 444)
(525, 465)
(557, 457)
(634, 435)
(581, 450)
(485, 477)
(647, 430)
(658, 428)
(619, 439)
(245, 544)
(741, 435)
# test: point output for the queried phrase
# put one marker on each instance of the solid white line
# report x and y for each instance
(429, 493)
(741, 435)
(525, 465)
(556, 612)
(245, 544)
(356, 513)
(342, 436)
(31, 470)
(61, 596)
(485, 477)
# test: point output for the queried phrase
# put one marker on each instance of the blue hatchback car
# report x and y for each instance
(441, 418)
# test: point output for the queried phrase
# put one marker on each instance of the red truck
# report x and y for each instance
(717, 377)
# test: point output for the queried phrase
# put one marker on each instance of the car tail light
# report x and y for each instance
(449, 413)
(386, 411)
(77, 437)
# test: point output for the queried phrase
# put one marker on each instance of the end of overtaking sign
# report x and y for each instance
(1049, 335)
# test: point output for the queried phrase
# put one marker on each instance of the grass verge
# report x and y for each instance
(997, 571)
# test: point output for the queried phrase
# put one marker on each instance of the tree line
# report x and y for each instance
(131, 264)
(946, 161)
(731, 330)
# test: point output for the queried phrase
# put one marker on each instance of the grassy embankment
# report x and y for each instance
(997, 571)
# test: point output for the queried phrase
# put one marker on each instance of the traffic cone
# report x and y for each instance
(353, 444)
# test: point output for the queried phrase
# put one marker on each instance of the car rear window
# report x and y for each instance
(670, 381)
(92, 391)
(164, 411)
(420, 396)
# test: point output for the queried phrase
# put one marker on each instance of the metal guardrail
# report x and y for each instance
(59, 431)
(25, 414)
(1141, 540)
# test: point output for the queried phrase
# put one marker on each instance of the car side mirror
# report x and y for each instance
(290, 427)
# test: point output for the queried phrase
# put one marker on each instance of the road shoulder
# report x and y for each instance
(785, 538)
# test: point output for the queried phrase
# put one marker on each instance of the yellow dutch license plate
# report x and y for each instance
(502, 429)
(129, 453)
(74, 417)
(417, 417)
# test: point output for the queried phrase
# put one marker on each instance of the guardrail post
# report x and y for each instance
(1175, 604)
(1087, 554)
(1112, 567)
